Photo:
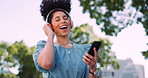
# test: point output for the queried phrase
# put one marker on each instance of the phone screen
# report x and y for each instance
(95, 44)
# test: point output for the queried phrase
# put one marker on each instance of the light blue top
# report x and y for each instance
(68, 62)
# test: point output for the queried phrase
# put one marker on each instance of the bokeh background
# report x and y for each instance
(21, 20)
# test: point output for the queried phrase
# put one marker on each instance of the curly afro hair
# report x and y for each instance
(48, 5)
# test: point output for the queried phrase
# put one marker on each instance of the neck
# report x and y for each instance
(63, 40)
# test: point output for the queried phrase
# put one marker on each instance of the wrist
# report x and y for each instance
(92, 70)
(95, 72)
(51, 37)
(50, 41)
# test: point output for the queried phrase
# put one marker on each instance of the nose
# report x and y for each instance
(63, 21)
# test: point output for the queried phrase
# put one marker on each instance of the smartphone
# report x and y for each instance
(95, 44)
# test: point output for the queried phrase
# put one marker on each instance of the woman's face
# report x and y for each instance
(61, 23)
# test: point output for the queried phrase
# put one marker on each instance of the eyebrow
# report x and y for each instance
(56, 17)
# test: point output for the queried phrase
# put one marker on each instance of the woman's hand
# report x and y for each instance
(48, 30)
(91, 61)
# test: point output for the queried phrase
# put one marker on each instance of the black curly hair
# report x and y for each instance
(48, 5)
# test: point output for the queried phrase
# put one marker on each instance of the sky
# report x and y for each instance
(21, 20)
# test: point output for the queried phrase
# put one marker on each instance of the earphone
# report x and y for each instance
(71, 23)
(59, 9)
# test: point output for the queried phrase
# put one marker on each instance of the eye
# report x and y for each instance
(57, 19)
(65, 18)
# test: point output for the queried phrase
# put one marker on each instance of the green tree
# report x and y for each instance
(145, 54)
(84, 34)
(116, 15)
(5, 65)
(18, 54)
(7, 75)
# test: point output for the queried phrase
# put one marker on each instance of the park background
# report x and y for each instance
(21, 20)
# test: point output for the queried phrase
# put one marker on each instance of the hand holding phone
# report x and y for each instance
(95, 44)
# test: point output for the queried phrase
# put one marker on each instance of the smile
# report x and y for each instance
(63, 27)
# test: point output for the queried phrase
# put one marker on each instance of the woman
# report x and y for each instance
(62, 58)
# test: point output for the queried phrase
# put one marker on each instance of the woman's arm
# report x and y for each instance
(46, 56)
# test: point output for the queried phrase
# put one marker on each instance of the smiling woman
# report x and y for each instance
(60, 24)
(62, 58)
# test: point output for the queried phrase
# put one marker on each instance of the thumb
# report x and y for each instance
(96, 54)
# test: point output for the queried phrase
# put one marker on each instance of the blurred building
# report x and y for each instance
(127, 70)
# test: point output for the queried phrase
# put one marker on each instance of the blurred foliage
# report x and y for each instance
(17, 54)
(84, 34)
(145, 54)
(8, 75)
(114, 15)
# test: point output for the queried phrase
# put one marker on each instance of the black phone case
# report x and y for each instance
(95, 44)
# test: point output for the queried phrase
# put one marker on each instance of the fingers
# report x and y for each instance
(88, 56)
(47, 25)
(88, 59)
(47, 28)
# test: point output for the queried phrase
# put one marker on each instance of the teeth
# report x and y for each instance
(63, 27)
